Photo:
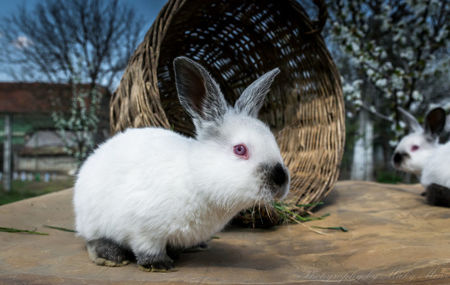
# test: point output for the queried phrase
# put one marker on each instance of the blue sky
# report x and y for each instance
(149, 9)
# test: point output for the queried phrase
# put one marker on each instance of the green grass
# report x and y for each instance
(388, 177)
(342, 229)
(27, 189)
(14, 230)
(289, 214)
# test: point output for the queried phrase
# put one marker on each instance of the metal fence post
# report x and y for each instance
(7, 153)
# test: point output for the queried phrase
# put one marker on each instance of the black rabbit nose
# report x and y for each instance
(278, 174)
(398, 157)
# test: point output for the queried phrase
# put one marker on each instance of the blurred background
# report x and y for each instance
(60, 61)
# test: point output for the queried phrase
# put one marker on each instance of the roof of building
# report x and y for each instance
(19, 97)
(46, 143)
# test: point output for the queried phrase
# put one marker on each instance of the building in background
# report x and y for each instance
(33, 145)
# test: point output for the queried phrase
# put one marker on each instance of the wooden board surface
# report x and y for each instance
(393, 238)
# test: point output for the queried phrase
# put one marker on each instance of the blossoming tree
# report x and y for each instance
(399, 53)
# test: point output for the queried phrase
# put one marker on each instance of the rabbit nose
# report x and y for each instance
(398, 157)
(278, 175)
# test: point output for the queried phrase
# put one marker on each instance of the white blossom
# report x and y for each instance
(355, 47)
(22, 42)
(416, 95)
(82, 121)
(381, 83)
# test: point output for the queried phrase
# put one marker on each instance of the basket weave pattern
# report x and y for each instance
(237, 41)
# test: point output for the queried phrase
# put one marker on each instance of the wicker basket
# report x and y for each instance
(237, 41)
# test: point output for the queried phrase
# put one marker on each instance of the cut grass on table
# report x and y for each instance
(14, 230)
(288, 213)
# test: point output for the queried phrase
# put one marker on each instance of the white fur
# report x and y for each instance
(148, 188)
(437, 167)
(447, 124)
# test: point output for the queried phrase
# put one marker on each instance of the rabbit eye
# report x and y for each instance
(414, 147)
(241, 150)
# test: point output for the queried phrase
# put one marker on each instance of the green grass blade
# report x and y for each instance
(309, 205)
(332, 228)
(14, 230)
(284, 211)
(60, 229)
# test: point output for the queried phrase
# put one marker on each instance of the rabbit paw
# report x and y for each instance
(174, 252)
(438, 195)
(108, 253)
(155, 263)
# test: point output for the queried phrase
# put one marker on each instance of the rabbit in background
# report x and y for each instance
(445, 137)
(421, 153)
(148, 193)
(447, 124)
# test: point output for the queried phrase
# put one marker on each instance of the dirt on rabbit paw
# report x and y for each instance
(156, 269)
(105, 262)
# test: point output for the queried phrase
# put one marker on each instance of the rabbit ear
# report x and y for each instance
(435, 122)
(253, 96)
(409, 119)
(199, 94)
(447, 124)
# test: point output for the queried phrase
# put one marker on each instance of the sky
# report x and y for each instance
(149, 9)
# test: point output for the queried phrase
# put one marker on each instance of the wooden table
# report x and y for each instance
(393, 238)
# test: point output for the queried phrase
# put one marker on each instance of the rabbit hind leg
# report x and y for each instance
(151, 252)
(154, 262)
(107, 252)
(438, 195)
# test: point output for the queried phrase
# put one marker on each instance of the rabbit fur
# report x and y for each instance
(147, 191)
(437, 167)
(420, 152)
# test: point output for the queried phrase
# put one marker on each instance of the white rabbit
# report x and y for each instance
(447, 124)
(146, 192)
(421, 154)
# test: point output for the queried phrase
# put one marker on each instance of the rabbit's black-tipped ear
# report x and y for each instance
(253, 96)
(435, 122)
(409, 119)
(447, 124)
(199, 94)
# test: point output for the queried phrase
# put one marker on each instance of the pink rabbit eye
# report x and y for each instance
(241, 150)
(414, 147)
